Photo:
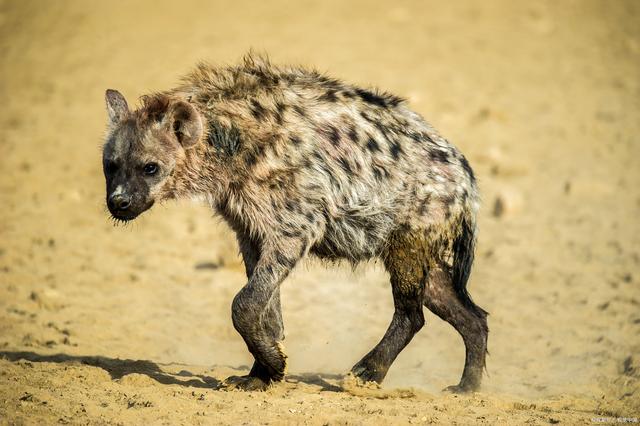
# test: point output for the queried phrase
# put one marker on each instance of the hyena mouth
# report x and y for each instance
(128, 215)
(123, 217)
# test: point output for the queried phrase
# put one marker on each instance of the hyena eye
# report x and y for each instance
(150, 169)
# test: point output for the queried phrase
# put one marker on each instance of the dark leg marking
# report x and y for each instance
(404, 259)
(441, 299)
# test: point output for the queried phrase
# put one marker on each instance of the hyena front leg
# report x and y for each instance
(250, 250)
(258, 377)
(257, 316)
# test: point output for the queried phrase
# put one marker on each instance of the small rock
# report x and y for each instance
(209, 265)
(507, 203)
(27, 397)
(627, 366)
(498, 207)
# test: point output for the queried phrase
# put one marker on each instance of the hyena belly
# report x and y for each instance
(354, 235)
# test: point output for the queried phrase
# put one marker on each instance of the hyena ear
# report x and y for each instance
(116, 105)
(186, 123)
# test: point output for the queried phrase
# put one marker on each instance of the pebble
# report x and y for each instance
(508, 202)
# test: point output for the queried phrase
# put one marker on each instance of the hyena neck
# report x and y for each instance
(201, 175)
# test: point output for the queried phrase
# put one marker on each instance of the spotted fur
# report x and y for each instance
(298, 163)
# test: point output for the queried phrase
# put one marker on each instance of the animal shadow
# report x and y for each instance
(318, 380)
(118, 368)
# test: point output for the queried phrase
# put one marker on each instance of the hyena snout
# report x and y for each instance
(119, 202)
(120, 205)
(127, 205)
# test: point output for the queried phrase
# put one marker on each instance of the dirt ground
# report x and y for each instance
(130, 325)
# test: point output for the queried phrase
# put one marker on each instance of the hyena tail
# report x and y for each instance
(463, 254)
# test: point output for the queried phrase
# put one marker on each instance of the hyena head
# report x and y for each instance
(145, 150)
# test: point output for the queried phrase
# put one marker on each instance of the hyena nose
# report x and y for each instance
(120, 201)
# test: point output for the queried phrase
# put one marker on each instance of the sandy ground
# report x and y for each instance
(111, 325)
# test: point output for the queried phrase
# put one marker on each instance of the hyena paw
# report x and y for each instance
(460, 388)
(244, 383)
(367, 373)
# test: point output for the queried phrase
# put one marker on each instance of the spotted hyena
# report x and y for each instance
(298, 163)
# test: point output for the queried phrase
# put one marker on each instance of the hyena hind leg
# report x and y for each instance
(404, 260)
(468, 320)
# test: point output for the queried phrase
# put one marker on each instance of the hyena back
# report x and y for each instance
(300, 163)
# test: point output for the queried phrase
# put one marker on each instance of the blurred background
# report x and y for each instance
(543, 98)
